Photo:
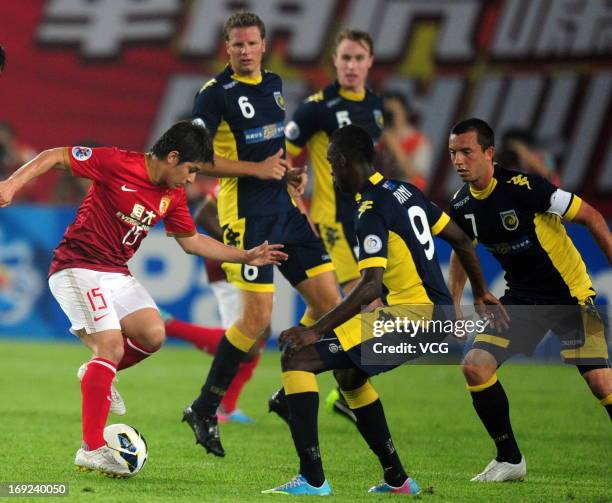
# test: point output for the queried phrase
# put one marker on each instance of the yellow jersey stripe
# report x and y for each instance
(573, 209)
(373, 262)
(320, 269)
(500, 342)
(563, 254)
(440, 224)
(292, 149)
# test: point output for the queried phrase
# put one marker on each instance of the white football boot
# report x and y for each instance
(501, 471)
(101, 460)
(117, 404)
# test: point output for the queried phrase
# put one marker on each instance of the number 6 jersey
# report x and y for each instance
(245, 117)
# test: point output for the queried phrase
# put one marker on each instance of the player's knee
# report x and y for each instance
(349, 379)
(295, 360)
(478, 366)
(110, 351)
(153, 337)
(599, 381)
(256, 319)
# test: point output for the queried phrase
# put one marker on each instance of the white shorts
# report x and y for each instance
(229, 301)
(97, 301)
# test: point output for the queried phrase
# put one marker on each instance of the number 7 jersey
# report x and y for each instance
(395, 227)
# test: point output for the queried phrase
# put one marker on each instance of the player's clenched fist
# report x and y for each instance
(7, 192)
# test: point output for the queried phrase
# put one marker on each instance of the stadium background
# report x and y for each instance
(119, 72)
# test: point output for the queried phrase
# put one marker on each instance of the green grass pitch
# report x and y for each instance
(563, 431)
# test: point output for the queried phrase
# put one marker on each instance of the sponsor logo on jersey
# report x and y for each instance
(81, 153)
(292, 130)
(280, 100)
(463, 201)
(520, 180)
(334, 348)
(164, 204)
(372, 244)
(333, 103)
(264, 133)
(509, 219)
(363, 207)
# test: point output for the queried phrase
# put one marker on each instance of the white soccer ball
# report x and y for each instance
(128, 446)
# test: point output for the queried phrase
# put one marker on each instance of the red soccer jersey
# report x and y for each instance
(120, 208)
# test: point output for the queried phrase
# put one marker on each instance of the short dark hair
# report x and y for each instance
(363, 37)
(485, 135)
(243, 19)
(2, 58)
(354, 142)
(191, 140)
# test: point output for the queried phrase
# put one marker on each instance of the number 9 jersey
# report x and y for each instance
(395, 227)
(245, 117)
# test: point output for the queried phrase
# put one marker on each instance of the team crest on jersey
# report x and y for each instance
(378, 117)
(280, 101)
(81, 153)
(164, 204)
(509, 219)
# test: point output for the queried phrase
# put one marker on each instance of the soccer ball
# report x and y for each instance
(128, 445)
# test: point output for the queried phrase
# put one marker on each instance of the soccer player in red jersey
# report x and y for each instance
(108, 308)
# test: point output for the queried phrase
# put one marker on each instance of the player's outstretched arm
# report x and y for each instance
(207, 217)
(42, 163)
(368, 289)
(457, 278)
(208, 247)
(598, 227)
(271, 168)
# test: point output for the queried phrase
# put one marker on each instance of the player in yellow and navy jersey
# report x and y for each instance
(244, 109)
(395, 226)
(346, 101)
(518, 218)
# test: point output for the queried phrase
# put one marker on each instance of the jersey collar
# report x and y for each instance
(374, 179)
(350, 95)
(246, 80)
(484, 193)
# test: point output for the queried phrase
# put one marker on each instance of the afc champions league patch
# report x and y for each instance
(509, 219)
(372, 244)
(164, 204)
(81, 153)
(378, 117)
(292, 130)
(280, 101)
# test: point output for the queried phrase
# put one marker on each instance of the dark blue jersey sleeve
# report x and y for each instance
(303, 125)
(209, 106)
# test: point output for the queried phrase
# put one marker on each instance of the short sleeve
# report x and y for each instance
(436, 217)
(538, 193)
(565, 204)
(179, 222)
(208, 106)
(93, 163)
(302, 127)
(461, 220)
(373, 238)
